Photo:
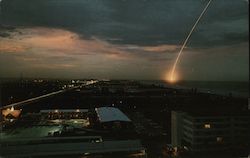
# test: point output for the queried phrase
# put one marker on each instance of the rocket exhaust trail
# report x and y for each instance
(172, 78)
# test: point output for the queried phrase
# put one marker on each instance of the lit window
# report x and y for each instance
(219, 139)
(207, 126)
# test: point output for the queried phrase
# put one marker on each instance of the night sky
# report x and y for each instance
(123, 39)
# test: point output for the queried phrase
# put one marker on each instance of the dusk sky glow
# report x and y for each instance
(123, 39)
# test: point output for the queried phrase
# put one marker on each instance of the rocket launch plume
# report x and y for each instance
(172, 75)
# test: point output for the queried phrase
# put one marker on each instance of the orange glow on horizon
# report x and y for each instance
(171, 78)
(11, 111)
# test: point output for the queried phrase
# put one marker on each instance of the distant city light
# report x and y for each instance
(207, 126)
(86, 153)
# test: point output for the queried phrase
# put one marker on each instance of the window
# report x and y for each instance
(207, 126)
(219, 139)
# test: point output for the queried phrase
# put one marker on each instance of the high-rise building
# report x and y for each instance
(176, 127)
(248, 103)
(210, 132)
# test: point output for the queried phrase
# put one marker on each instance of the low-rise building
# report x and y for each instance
(11, 113)
(112, 118)
(64, 114)
(86, 146)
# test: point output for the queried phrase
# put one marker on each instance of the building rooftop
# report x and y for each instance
(220, 113)
(72, 147)
(108, 114)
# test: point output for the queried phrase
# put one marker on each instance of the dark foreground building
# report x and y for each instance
(211, 132)
(87, 147)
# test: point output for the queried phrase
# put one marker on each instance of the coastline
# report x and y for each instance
(224, 88)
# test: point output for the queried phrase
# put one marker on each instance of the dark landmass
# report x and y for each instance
(147, 105)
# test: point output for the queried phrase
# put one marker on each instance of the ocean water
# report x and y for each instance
(236, 88)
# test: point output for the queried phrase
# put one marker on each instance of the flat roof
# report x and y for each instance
(70, 148)
(216, 113)
(64, 110)
(108, 114)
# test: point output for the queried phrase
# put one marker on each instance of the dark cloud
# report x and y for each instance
(140, 22)
(6, 30)
(135, 39)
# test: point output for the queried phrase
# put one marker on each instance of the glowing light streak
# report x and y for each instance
(172, 75)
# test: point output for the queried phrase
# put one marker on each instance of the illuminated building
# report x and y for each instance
(64, 114)
(210, 132)
(11, 113)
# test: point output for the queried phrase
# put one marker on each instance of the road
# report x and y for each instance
(35, 99)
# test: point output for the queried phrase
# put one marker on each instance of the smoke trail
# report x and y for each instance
(186, 40)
